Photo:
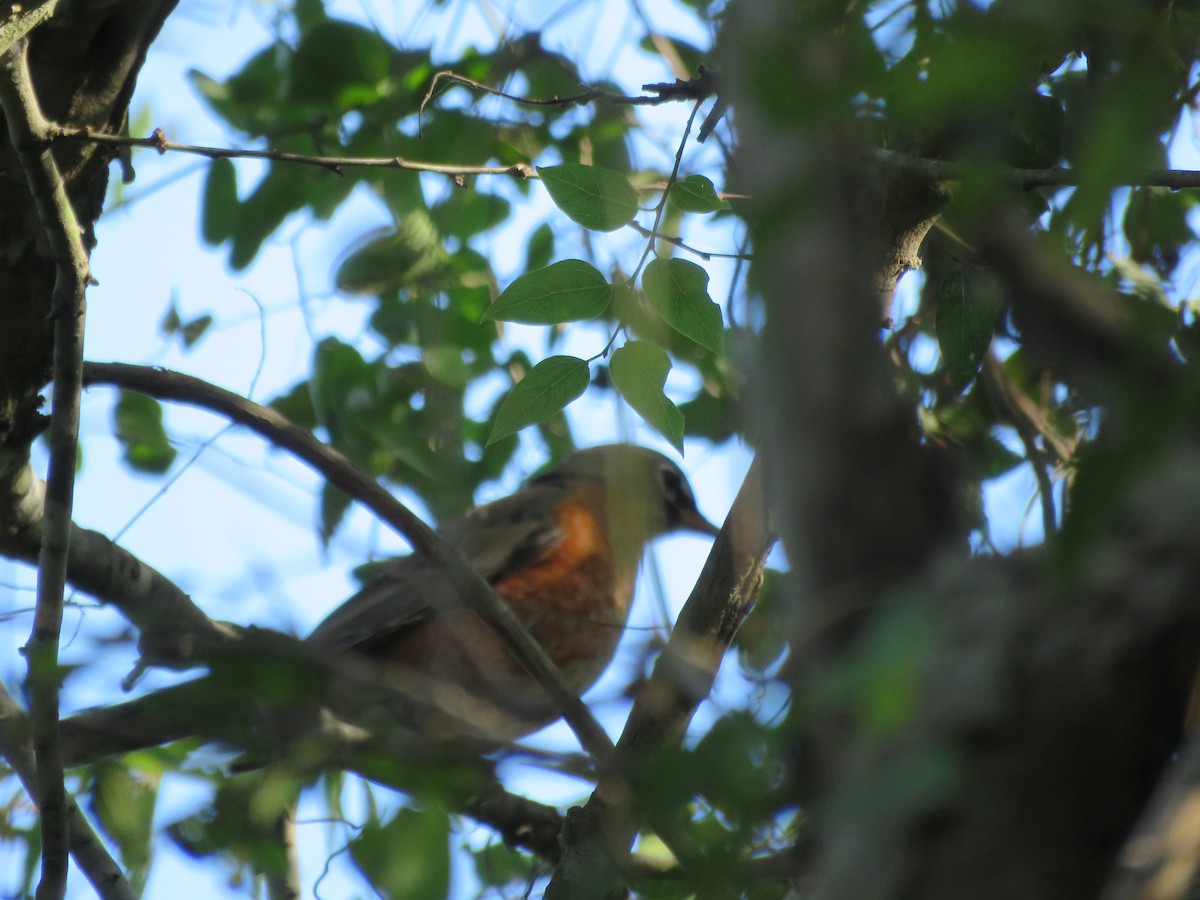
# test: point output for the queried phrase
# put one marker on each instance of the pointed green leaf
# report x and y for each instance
(696, 194)
(966, 319)
(137, 421)
(639, 371)
(678, 291)
(563, 292)
(545, 389)
(599, 199)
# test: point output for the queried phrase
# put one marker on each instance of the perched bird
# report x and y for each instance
(563, 552)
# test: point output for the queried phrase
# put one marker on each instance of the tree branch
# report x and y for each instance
(340, 472)
(26, 124)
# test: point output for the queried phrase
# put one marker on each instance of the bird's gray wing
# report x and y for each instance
(497, 539)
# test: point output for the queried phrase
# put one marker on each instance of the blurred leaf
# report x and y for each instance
(340, 65)
(467, 213)
(1156, 226)
(678, 292)
(250, 100)
(709, 416)
(498, 865)
(539, 250)
(138, 424)
(283, 191)
(967, 308)
(407, 857)
(334, 503)
(598, 199)
(639, 371)
(409, 256)
(219, 209)
(546, 388)
(565, 291)
(696, 194)
(123, 802)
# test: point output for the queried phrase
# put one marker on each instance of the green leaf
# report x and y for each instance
(137, 421)
(218, 216)
(546, 388)
(123, 803)
(678, 292)
(696, 194)
(467, 213)
(639, 371)
(598, 199)
(407, 857)
(966, 319)
(563, 292)
(540, 248)
(339, 65)
(411, 255)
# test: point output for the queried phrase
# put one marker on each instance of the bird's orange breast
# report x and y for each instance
(572, 601)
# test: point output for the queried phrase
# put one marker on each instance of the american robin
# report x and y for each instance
(563, 552)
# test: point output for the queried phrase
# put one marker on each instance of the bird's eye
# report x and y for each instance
(675, 489)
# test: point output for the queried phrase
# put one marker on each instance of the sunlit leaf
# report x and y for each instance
(678, 292)
(545, 389)
(563, 292)
(639, 371)
(599, 199)
(696, 194)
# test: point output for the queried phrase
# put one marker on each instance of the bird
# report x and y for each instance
(563, 552)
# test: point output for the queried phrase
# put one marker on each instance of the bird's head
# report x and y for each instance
(646, 494)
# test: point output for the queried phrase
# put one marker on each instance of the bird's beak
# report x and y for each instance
(692, 520)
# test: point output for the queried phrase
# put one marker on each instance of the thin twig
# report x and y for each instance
(698, 88)
(678, 242)
(158, 141)
(26, 124)
(343, 474)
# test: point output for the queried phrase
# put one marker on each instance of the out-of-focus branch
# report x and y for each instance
(26, 124)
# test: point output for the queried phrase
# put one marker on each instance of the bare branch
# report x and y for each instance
(158, 141)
